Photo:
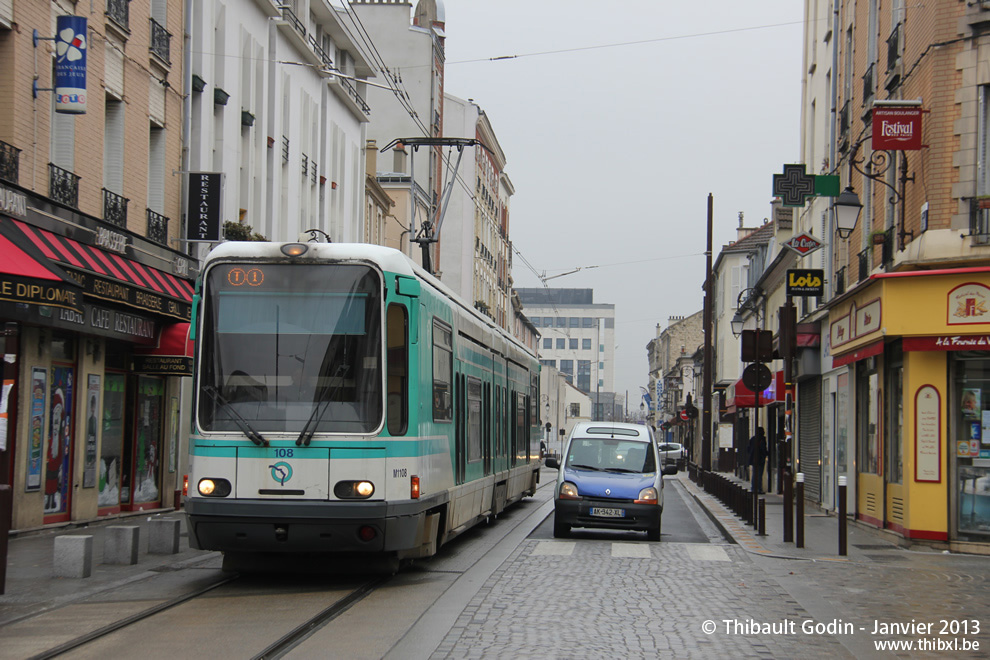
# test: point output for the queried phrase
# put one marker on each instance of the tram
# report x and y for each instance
(346, 401)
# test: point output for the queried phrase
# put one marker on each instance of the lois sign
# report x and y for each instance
(897, 128)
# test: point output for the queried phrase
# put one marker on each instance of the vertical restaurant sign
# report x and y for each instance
(897, 128)
(70, 64)
(39, 388)
(203, 211)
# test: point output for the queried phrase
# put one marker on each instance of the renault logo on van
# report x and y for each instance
(281, 472)
(608, 491)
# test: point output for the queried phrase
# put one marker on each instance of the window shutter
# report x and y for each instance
(113, 147)
(156, 170)
(113, 73)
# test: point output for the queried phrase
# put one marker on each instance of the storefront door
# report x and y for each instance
(145, 463)
(969, 428)
(112, 442)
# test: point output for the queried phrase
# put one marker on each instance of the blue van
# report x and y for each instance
(610, 477)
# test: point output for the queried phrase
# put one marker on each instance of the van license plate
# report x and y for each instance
(607, 513)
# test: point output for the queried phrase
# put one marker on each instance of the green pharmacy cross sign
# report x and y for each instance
(795, 186)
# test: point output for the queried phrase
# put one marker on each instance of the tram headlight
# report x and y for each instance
(294, 249)
(213, 487)
(354, 490)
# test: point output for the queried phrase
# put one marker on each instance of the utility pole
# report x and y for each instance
(706, 397)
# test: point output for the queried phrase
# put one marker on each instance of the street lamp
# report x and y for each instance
(847, 209)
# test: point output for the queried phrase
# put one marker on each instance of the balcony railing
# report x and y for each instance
(318, 49)
(294, 20)
(893, 47)
(157, 228)
(115, 208)
(10, 157)
(119, 11)
(979, 220)
(864, 264)
(868, 84)
(840, 281)
(844, 119)
(160, 40)
(346, 84)
(63, 186)
(887, 248)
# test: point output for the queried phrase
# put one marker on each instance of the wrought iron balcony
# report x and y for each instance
(893, 47)
(160, 40)
(63, 186)
(979, 220)
(844, 119)
(868, 85)
(346, 85)
(887, 248)
(157, 228)
(864, 264)
(9, 162)
(840, 281)
(294, 20)
(119, 11)
(115, 208)
(318, 49)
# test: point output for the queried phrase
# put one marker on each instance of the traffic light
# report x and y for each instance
(788, 330)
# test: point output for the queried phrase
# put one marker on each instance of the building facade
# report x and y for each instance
(95, 292)
(578, 338)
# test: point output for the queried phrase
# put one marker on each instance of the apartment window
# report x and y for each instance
(983, 142)
(586, 344)
(547, 321)
(587, 322)
(574, 410)
(574, 322)
(584, 375)
(561, 322)
(572, 344)
(567, 367)
(535, 321)
(561, 344)
(549, 363)
(548, 343)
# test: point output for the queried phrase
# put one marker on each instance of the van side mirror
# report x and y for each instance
(553, 462)
(669, 470)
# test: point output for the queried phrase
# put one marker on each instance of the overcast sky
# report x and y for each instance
(613, 149)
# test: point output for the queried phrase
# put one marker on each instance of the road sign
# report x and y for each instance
(757, 377)
(685, 416)
(803, 244)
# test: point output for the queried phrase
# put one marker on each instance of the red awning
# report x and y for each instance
(876, 348)
(173, 341)
(26, 276)
(743, 397)
(106, 264)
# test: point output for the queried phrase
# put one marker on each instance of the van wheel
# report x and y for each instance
(560, 530)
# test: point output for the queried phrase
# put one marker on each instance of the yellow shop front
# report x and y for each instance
(917, 349)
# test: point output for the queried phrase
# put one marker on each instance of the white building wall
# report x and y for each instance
(244, 49)
(457, 233)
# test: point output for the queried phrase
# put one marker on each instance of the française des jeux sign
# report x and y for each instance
(897, 128)
(805, 282)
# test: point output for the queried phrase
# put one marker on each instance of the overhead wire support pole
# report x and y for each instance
(706, 400)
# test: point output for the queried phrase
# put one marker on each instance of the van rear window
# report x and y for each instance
(608, 430)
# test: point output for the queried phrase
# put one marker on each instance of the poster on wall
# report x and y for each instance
(972, 403)
(39, 386)
(8, 385)
(59, 441)
(92, 429)
(928, 435)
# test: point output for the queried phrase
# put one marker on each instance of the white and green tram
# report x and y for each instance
(347, 401)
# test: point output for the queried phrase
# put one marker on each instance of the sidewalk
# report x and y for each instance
(821, 529)
(32, 587)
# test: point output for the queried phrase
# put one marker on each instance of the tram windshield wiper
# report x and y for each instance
(242, 423)
(322, 404)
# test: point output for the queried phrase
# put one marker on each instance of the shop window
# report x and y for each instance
(868, 417)
(969, 416)
(111, 441)
(894, 426)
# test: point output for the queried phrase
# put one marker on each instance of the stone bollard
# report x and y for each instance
(120, 544)
(73, 556)
(163, 536)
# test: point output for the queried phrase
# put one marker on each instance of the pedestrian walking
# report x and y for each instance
(758, 457)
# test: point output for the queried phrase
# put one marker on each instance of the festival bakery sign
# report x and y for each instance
(968, 303)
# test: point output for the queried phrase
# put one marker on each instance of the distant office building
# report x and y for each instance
(578, 338)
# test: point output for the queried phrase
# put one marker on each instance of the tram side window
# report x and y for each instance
(397, 370)
(474, 419)
(443, 365)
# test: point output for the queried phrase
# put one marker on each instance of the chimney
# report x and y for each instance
(399, 159)
(370, 157)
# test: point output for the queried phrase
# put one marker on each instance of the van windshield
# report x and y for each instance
(611, 455)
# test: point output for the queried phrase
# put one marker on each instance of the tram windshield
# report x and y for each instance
(289, 348)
